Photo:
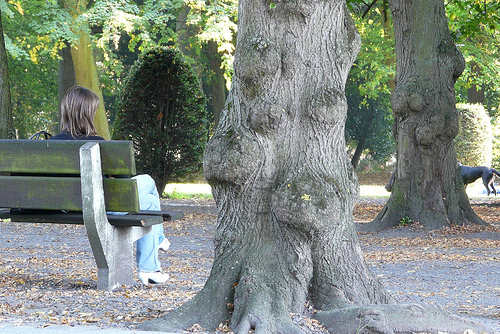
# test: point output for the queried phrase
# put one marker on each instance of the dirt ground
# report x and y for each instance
(48, 276)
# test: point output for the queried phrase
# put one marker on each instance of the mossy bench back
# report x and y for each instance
(45, 174)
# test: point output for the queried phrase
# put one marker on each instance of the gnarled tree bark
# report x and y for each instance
(281, 177)
(427, 188)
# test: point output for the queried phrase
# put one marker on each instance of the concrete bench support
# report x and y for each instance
(112, 246)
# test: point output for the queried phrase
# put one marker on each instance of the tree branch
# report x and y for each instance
(369, 8)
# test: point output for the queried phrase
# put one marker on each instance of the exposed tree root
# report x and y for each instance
(395, 319)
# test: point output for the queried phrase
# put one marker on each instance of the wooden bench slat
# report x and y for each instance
(167, 215)
(142, 219)
(77, 218)
(62, 156)
(64, 193)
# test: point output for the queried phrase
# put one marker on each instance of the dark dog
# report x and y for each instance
(471, 174)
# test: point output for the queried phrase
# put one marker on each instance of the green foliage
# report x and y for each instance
(38, 28)
(217, 20)
(475, 26)
(147, 25)
(5, 10)
(375, 65)
(34, 95)
(369, 116)
(482, 15)
(33, 67)
(369, 121)
(473, 143)
(121, 30)
(162, 111)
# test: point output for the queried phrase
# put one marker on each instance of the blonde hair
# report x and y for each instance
(78, 108)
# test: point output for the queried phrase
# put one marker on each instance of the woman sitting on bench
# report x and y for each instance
(78, 109)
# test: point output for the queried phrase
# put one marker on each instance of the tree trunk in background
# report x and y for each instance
(387, 26)
(475, 94)
(6, 126)
(66, 79)
(361, 144)
(185, 33)
(217, 80)
(428, 187)
(86, 73)
(281, 178)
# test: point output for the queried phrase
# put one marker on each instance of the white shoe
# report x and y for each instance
(165, 245)
(156, 277)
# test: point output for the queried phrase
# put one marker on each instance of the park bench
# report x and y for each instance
(61, 181)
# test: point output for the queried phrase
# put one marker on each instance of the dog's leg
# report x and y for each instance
(487, 180)
(492, 184)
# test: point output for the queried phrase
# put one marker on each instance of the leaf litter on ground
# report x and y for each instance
(48, 276)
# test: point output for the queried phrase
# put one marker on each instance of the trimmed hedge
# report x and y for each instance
(473, 143)
(495, 160)
(163, 112)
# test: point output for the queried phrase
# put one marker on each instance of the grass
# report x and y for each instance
(188, 190)
(373, 191)
(203, 191)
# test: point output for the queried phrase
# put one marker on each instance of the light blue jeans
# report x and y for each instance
(147, 246)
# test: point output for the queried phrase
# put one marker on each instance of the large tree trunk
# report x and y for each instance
(6, 126)
(282, 180)
(428, 188)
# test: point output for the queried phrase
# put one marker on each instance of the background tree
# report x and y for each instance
(428, 187)
(163, 113)
(32, 65)
(6, 128)
(368, 124)
(85, 69)
(474, 26)
(34, 95)
(121, 31)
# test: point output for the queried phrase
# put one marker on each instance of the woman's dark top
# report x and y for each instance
(65, 135)
(68, 136)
